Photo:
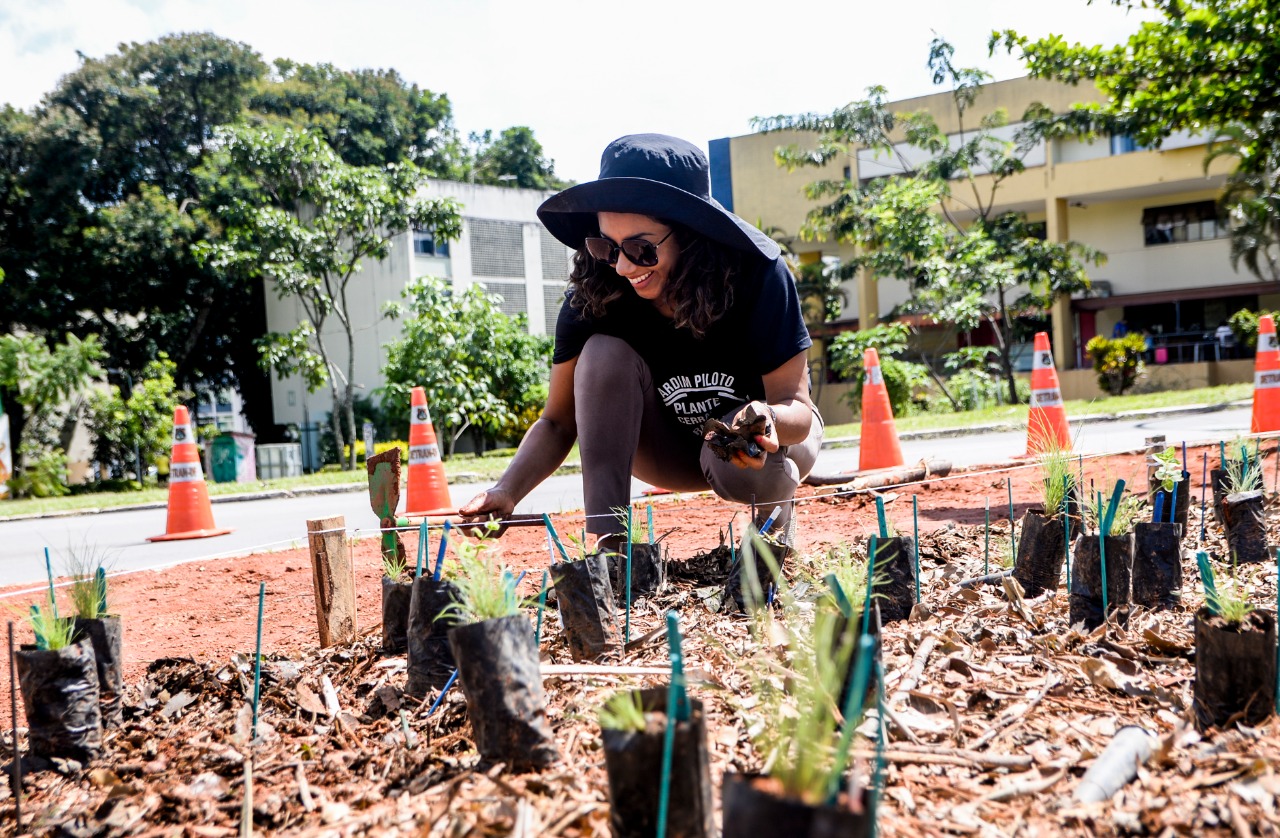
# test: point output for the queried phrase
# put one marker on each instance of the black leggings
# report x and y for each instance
(622, 432)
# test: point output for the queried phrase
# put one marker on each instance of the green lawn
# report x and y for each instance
(468, 468)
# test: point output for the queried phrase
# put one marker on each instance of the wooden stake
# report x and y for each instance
(334, 580)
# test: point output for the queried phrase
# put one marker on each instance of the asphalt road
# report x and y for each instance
(279, 523)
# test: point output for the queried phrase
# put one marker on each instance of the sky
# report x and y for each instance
(579, 73)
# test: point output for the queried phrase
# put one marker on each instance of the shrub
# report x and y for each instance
(907, 383)
(1244, 324)
(1118, 361)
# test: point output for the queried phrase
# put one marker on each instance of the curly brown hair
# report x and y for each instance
(699, 290)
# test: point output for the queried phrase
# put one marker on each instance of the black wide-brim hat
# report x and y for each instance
(655, 175)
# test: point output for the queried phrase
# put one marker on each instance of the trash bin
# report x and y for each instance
(232, 458)
(279, 460)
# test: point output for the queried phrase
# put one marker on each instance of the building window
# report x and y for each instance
(425, 244)
(1124, 144)
(1198, 221)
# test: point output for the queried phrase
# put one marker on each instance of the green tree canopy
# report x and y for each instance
(369, 117)
(305, 221)
(938, 225)
(481, 369)
(515, 158)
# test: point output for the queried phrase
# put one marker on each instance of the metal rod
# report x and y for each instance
(257, 661)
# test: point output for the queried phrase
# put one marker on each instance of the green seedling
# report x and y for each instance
(638, 534)
(1056, 475)
(1128, 512)
(1243, 473)
(88, 583)
(624, 711)
(394, 567)
(1169, 472)
(796, 723)
(52, 632)
(486, 590)
(1229, 601)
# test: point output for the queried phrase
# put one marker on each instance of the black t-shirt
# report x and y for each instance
(699, 379)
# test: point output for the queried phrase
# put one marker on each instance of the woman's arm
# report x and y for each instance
(541, 451)
(786, 394)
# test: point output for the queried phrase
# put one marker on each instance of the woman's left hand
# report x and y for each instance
(768, 441)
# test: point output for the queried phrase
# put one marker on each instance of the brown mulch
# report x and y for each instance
(1009, 708)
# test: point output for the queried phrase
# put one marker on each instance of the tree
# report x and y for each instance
(479, 367)
(41, 384)
(515, 158)
(142, 424)
(1208, 67)
(369, 117)
(937, 225)
(304, 221)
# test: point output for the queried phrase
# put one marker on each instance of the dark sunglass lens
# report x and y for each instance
(602, 249)
(640, 252)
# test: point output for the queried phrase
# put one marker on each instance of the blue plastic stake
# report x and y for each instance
(626, 635)
(649, 509)
(551, 530)
(1013, 541)
(773, 516)
(1204, 484)
(915, 555)
(1184, 455)
(48, 567)
(422, 547)
(257, 661)
(733, 547)
(444, 543)
(884, 524)
(542, 606)
(440, 698)
(986, 541)
(1159, 507)
(100, 585)
(1173, 502)
(1066, 528)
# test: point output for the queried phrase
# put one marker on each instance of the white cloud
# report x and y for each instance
(579, 73)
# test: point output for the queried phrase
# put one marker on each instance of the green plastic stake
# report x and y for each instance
(649, 509)
(884, 523)
(542, 606)
(257, 661)
(41, 643)
(986, 542)
(551, 529)
(48, 567)
(733, 547)
(1013, 541)
(1206, 579)
(851, 710)
(1066, 529)
(626, 635)
(422, 547)
(676, 649)
(100, 587)
(871, 575)
(877, 778)
(1103, 526)
(677, 711)
(915, 553)
(837, 591)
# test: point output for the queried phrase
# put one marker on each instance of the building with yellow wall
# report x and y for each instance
(1152, 212)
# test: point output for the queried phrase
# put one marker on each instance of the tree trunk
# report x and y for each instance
(1005, 330)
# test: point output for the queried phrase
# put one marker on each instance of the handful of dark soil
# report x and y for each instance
(724, 440)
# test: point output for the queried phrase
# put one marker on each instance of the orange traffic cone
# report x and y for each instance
(1266, 379)
(190, 515)
(879, 444)
(1047, 421)
(428, 486)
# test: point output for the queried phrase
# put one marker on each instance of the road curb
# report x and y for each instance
(1087, 419)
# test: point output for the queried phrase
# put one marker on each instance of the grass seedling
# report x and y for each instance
(1229, 601)
(1128, 511)
(486, 590)
(630, 526)
(1056, 475)
(394, 566)
(797, 729)
(1242, 473)
(623, 711)
(52, 632)
(88, 583)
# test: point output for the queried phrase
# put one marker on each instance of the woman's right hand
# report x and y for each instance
(493, 504)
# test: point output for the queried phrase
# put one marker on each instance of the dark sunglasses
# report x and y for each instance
(640, 252)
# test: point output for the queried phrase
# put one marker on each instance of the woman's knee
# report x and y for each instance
(606, 362)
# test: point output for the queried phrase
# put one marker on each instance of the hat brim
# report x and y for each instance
(570, 215)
